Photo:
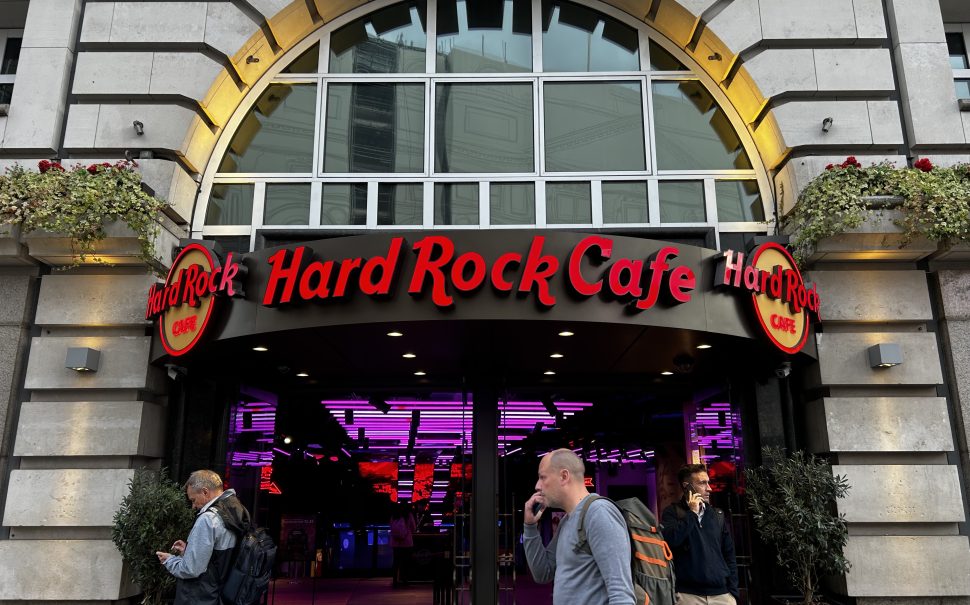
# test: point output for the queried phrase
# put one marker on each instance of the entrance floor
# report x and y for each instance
(346, 591)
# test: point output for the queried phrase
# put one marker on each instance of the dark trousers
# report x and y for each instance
(401, 566)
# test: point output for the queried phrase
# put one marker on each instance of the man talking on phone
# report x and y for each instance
(598, 574)
(699, 536)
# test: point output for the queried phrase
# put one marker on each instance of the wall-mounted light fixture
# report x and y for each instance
(252, 59)
(827, 124)
(715, 57)
(82, 359)
(139, 127)
(885, 355)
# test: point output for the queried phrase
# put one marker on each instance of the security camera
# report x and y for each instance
(175, 371)
(783, 370)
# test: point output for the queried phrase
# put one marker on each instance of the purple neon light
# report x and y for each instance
(262, 428)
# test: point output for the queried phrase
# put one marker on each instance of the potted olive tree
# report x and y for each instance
(792, 500)
(152, 516)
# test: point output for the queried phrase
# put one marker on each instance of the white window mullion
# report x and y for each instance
(596, 199)
(484, 204)
(428, 204)
(653, 202)
(371, 205)
(710, 202)
(431, 37)
(537, 36)
(540, 203)
(316, 196)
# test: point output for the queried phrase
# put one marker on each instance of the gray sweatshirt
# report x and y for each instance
(582, 579)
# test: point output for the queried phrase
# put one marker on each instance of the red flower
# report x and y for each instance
(851, 161)
(44, 166)
(93, 169)
(57, 166)
(923, 164)
(829, 166)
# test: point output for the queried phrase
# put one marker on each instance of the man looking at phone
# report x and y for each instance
(707, 573)
(201, 562)
(599, 575)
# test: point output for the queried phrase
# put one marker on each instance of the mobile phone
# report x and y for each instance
(537, 508)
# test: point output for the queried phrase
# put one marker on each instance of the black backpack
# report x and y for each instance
(650, 558)
(251, 565)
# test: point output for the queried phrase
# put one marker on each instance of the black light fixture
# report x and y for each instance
(82, 359)
(885, 355)
(139, 127)
(379, 404)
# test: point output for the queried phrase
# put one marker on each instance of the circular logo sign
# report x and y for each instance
(781, 300)
(184, 304)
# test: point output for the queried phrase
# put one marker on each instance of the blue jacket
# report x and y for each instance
(703, 550)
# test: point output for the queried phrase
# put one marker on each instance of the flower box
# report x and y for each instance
(877, 238)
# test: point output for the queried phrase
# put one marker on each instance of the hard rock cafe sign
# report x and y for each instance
(782, 301)
(185, 302)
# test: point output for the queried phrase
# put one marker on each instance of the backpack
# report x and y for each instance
(650, 559)
(251, 565)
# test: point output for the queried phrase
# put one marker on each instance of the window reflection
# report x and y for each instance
(692, 132)
(391, 40)
(307, 63)
(230, 205)
(374, 128)
(277, 134)
(682, 202)
(575, 38)
(484, 128)
(957, 49)
(738, 201)
(568, 204)
(456, 204)
(286, 204)
(476, 36)
(593, 126)
(344, 204)
(625, 202)
(400, 204)
(662, 60)
(512, 204)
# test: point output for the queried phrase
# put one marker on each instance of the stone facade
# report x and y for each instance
(88, 70)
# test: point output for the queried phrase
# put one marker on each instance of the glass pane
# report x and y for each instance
(11, 56)
(739, 201)
(682, 202)
(661, 60)
(277, 134)
(625, 202)
(344, 204)
(957, 49)
(456, 204)
(693, 133)
(286, 204)
(307, 63)
(963, 88)
(230, 205)
(593, 126)
(231, 243)
(388, 41)
(575, 38)
(375, 128)
(740, 242)
(6, 91)
(483, 128)
(512, 204)
(400, 204)
(484, 37)
(568, 204)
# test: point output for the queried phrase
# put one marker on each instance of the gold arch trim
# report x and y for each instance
(302, 17)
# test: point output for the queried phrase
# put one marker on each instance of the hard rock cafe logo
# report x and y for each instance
(781, 299)
(185, 302)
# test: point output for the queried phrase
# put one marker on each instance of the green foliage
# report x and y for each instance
(78, 202)
(152, 516)
(936, 202)
(792, 499)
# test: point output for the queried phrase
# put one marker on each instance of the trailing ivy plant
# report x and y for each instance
(792, 500)
(153, 515)
(78, 202)
(935, 202)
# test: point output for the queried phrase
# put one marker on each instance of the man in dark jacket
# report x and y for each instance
(202, 561)
(707, 573)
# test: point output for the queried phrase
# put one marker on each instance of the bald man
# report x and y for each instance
(598, 575)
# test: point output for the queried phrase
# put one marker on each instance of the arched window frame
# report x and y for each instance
(428, 178)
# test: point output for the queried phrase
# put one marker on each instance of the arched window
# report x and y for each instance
(460, 114)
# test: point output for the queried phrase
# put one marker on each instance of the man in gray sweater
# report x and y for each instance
(601, 576)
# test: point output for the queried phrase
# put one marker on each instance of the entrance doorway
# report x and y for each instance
(327, 471)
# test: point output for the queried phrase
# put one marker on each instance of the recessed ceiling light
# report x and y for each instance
(409, 356)
(419, 373)
(703, 346)
(556, 356)
(302, 374)
(395, 334)
(566, 333)
(260, 349)
(667, 373)
(549, 373)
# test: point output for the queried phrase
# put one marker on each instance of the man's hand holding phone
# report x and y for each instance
(533, 508)
(694, 499)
